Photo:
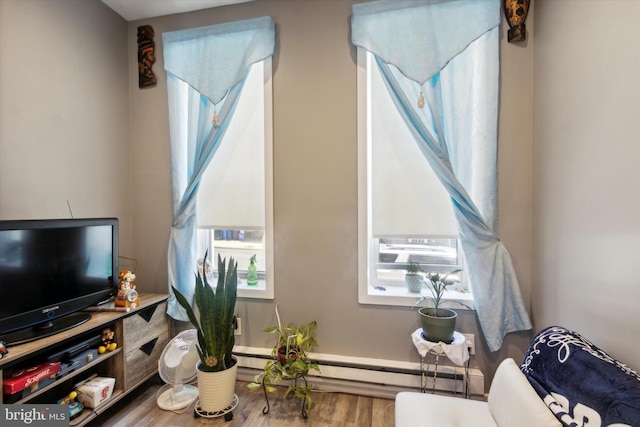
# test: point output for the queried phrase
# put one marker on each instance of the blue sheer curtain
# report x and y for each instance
(446, 52)
(206, 68)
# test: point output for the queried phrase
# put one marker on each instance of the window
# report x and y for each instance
(405, 214)
(235, 195)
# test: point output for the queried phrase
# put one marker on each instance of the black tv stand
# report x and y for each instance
(46, 329)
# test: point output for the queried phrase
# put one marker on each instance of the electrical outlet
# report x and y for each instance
(471, 343)
(238, 327)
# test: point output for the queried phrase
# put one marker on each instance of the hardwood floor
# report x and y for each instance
(329, 409)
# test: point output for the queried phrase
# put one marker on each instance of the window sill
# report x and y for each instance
(400, 296)
(258, 291)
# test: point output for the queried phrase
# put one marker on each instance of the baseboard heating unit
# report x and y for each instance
(366, 376)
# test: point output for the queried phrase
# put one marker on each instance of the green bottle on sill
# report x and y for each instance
(252, 274)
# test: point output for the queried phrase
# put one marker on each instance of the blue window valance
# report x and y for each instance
(420, 37)
(214, 58)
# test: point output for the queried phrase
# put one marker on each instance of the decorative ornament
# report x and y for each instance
(107, 341)
(516, 13)
(127, 294)
(421, 100)
(215, 121)
(146, 56)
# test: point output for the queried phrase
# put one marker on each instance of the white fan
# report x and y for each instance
(177, 368)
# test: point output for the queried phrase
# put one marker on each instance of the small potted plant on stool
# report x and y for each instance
(438, 323)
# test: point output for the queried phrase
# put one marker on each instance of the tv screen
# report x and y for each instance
(50, 269)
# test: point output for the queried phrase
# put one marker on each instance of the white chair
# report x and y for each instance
(512, 402)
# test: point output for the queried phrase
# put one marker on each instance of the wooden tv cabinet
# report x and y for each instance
(141, 335)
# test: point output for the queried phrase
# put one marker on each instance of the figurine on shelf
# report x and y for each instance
(127, 293)
(75, 407)
(107, 341)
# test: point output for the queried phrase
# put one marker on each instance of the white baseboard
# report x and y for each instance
(366, 376)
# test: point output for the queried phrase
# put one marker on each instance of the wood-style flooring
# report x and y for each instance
(139, 409)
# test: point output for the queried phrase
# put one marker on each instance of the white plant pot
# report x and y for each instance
(414, 282)
(217, 388)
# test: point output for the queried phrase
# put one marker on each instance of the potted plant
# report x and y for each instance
(217, 368)
(438, 323)
(414, 278)
(290, 361)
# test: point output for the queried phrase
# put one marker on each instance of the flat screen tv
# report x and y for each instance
(52, 269)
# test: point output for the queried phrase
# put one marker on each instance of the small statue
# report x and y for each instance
(516, 13)
(146, 56)
(127, 293)
(127, 280)
(107, 341)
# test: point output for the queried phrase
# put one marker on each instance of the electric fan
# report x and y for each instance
(177, 368)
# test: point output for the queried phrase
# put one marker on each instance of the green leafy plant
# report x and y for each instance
(413, 268)
(214, 322)
(414, 278)
(437, 284)
(290, 361)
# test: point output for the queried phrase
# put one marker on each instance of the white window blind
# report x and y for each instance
(232, 190)
(407, 199)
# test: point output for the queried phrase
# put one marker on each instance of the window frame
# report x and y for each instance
(384, 292)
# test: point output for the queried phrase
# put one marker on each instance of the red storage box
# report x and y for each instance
(28, 377)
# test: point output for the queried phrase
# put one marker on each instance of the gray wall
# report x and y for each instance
(586, 218)
(64, 122)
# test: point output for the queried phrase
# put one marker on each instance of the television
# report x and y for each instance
(51, 270)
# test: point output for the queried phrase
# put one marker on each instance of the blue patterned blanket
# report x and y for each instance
(581, 384)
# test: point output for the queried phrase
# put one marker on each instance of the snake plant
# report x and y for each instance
(215, 320)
